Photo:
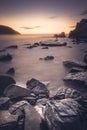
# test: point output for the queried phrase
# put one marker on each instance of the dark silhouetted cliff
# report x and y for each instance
(7, 30)
(80, 30)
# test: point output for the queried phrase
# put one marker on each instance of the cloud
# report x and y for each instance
(84, 12)
(31, 27)
(52, 17)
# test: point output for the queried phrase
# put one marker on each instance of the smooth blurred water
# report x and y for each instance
(27, 62)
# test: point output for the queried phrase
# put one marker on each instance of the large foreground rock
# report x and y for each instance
(64, 115)
(8, 121)
(79, 78)
(38, 88)
(5, 81)
(74, 63)
(16, 93)
(66, 92)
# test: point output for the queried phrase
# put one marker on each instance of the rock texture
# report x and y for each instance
(80, 30)
(7, 30)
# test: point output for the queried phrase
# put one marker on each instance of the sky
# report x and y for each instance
(42, 16)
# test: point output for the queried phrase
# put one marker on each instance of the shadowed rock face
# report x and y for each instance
(80, 30)
(7, 30)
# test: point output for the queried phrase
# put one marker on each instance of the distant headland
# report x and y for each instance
(7, 30)
(80, 31)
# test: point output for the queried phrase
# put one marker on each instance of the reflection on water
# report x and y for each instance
(27, 62)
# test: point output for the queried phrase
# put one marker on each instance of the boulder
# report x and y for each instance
(85, 58)
(66, 92)
(79, 78)
(38, 88)
(32, 119)
(11, 71)
(64, 115)
(16, 93)
(8, 121)
(74, 63)
(5, 81)
(4, 58)
(4, 103)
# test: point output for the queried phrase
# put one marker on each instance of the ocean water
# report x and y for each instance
(27, 62)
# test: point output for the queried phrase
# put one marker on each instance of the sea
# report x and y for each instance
(27, 61)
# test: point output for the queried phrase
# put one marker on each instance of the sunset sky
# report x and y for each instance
(42, 16)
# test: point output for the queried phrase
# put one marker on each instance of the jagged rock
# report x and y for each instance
(11, 71)
(4, 58)
(12, 47)
(79, 78)
(74, 63)
(8, 121)
(65, 92)
(5, 81)
(16, 93)
(85, 58)
(64, 115)
(38, 88)
(4, 103)
(32, 119)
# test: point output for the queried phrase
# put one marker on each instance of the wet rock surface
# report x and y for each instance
(5, 81)
(38, 88)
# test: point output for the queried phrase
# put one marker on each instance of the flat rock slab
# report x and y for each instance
(4, 103)
(74, 63)
(79, 78)
(66, 92)
(38, 88)
(32, 119)
(7, 121)
(5, 81)
(63, 115)
(15, 92)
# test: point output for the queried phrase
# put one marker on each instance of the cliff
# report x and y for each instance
(7, 30)
(80, 31)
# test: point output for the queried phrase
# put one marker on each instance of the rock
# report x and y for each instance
(32, 119)
(31, 100)
(11, 71)
(45, 47)
(5, 81)
(79, 78)
(85, 58)
(42, 101)
(74, 63)
(16, 93)
(80, 31)
(12, 47)
(4, 103)
(4, 58)
(49, 58)
(53, 44)
(65, 92)
(75, 70)
(64, 115)
(38, 88)
(8, 121)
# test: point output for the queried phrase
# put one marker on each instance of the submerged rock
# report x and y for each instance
(74, 63)
(12, 47)
(8, 121)
(4, 103)
(38, 88)
(11, 71)
(64, 115)
(5, 81)
(7, 57)
(79, 78)
(15, 92)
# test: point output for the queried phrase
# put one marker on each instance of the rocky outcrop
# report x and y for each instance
(80, 30)
(7, 30)
(5, 81)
